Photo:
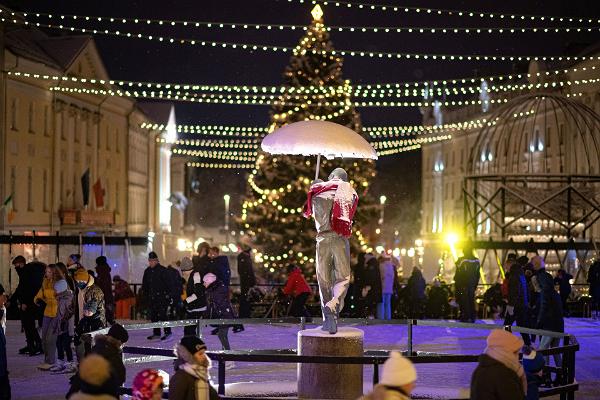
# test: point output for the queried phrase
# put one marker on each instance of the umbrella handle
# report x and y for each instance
(318, 165)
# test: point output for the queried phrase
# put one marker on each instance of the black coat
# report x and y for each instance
(217, 299)
(246, 271)
(155, 286)
(220, 267)
(372, 277)
(104, 281)
(563, 284)
(550, 311)
(492, 380)
(593, 279)
(517, 288)
(201, 264)
(416, 287)
(195, 291)
(87, 325)
(175, 286)
(30, 282)
(3, 358)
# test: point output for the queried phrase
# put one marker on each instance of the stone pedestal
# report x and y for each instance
(330, 381)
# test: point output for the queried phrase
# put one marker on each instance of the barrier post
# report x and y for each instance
(302, 323)
(221, 377)
(375, 373)
(409, 345)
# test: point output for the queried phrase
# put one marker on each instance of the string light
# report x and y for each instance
(219, 165)
(280, 27)
(284, 49)
(447, 12)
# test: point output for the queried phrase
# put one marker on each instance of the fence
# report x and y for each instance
(567, 388)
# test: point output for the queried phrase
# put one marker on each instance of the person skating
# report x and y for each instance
(30, 281)
(563, 281)
(64, 327)
(90, 322)
(517, 309)
(191, 380)
(297, 287)
(219, 265)
(88, 291)
(156, 290)
(471, 268)
(46, 297)
(387, 272)
(499, 374)
(218, 307)
(195, 301)
(416, 290)
(97, 383)
(247, 282)
(104, 282)
(147, 385)
(398, 379)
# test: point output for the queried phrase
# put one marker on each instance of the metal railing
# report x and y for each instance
(566, 389)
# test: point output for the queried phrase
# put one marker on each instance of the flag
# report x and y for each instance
(99, 193)
(85, 187)
(7, 205)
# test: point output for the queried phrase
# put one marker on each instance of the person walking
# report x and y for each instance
(156, 290)
(593, 279)
(218, 307)
(191, 380)
(387, 271)
(219, 265)
(472, 269)
(563, 281)
(416, 290)
(46, 297)
(175, 291)
(195, 301)
(297, 287)
(499, 374)
(517, 309)
(87, 292)
(30, 281)
(64, 327)
(247, 281)
(124, 298)
(104, 282)
(398, 379)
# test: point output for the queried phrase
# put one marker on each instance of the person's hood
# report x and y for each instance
(106, 342)
(103, 268)
(90, 282)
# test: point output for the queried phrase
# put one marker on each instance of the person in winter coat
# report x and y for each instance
(30, 281)
(398, 379)
(297, 287)
(218, 306)
(219, 265)
(499, 374)
(5, 392)
(387, 271)
(46, 297)
(563, 281)
(64, 327)
(175, 290)
(200, 260)
(191, 380)
(195, 302)
(88, 291)
(124, 298)
(467, 280)
(247, 280)
(416, 289)
(90, 322)
(104, 282)
(517, 309)
(437, 300)
(593, 279)
(157, 293)
(533, 365)
(371, 291)
(97, 383)
(147, 385)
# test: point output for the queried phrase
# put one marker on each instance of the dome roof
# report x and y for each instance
(540, 133)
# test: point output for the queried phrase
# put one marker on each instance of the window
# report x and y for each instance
(46, 121)
(30, 118)
(45, 189)
(13, 187)
(29, 190)
(13, 114)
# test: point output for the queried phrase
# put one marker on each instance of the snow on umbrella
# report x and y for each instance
(320, 138)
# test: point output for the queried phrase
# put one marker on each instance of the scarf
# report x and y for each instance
(510, 361)
(345, 201)
(201, 374)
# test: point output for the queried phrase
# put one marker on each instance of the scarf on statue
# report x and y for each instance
(509, 360)
(201, 374)
(345, 201)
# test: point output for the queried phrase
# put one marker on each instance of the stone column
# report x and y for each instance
(330, 381)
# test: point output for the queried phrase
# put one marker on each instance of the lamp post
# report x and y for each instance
(226, 226)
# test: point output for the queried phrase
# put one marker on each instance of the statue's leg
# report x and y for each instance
(341, 273)
(324, 277)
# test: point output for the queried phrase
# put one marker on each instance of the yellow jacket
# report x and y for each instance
(48, 296)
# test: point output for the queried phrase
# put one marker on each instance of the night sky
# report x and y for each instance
(142, 60)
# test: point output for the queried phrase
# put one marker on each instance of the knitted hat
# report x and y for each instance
(532, 361)
(145, 383)
(19, 259)
(193, 344)
(398, 371)
(94, 370)
(118, 332)
(91, 306)
(60, 286)
(81, 275)
(209, 278)
(101, 260)
(152, 256)
(504, 339)
(186, 264)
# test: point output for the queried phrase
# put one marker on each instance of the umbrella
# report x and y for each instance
(320, 138)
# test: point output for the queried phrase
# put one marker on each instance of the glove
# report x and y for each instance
(510, 310)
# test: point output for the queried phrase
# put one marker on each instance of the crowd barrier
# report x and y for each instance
(566, 389)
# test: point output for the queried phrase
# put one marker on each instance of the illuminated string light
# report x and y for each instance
(219, 165)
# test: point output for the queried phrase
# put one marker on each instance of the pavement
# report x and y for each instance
(28, 383)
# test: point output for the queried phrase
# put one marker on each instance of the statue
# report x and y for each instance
(332, 204)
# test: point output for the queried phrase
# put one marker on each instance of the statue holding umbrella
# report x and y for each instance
(332, 203)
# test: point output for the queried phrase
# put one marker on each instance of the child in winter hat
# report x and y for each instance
(147, 385)
(533, 364)
(399, 377)
(191, 379)
(96, 380)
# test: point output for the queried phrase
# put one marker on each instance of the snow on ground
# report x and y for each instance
(30, 384)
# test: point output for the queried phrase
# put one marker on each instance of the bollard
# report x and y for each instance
(409, 344)
(302, 323)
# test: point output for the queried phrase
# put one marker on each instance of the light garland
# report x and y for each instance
(219, 165)
(447, 12)
(220, 155)
(285, 49)
(281, 27)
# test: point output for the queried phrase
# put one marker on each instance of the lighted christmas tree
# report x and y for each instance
(272, 212)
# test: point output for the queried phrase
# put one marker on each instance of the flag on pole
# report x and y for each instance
(7, 206)
(85, 187)
(98, 193)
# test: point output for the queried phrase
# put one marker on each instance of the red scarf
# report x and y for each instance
(344, 205)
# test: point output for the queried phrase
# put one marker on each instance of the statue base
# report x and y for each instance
(330, 381)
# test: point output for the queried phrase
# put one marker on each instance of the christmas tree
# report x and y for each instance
(272, 211)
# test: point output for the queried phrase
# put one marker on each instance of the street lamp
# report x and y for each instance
(226, 198)
(382, 200)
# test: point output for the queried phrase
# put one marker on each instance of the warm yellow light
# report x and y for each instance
(452, 239)
(378, 231)
(382, 199)
(317, 12)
